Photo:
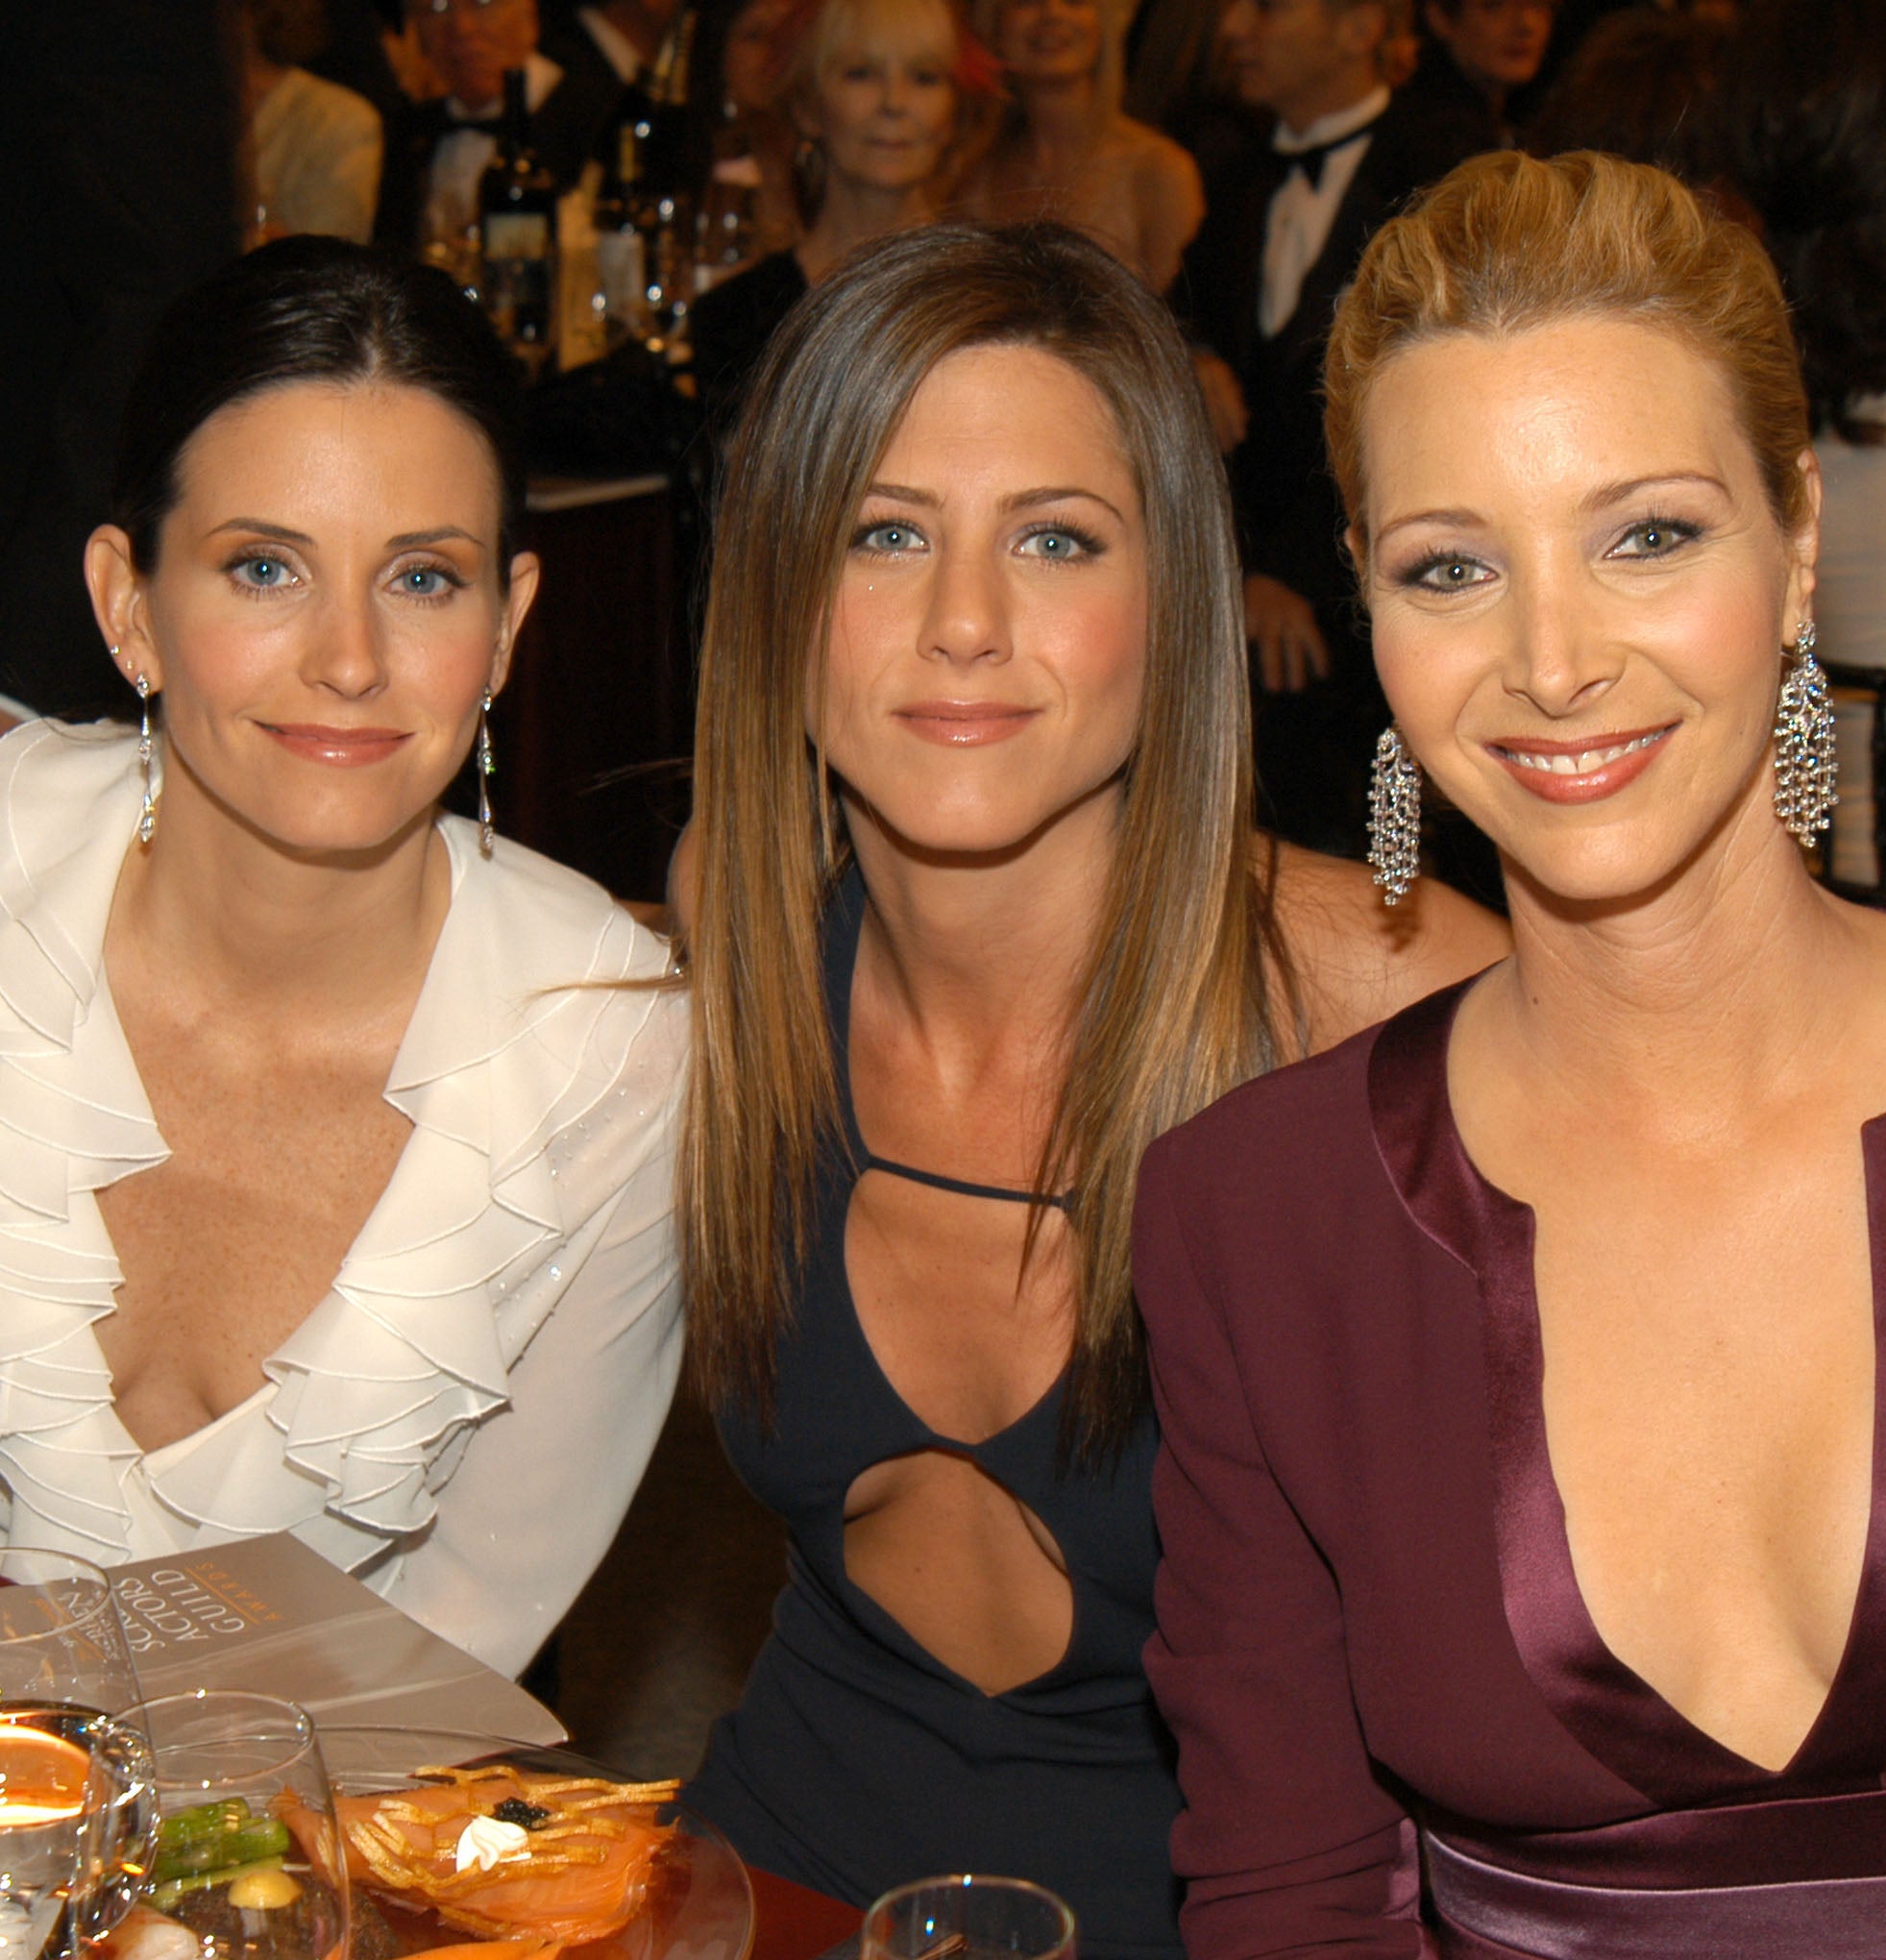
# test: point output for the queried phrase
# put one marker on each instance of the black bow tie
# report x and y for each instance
(1310, 160)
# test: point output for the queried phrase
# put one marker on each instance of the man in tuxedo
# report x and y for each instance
(1287, 218)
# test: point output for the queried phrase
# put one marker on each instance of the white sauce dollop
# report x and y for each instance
(488, 1840)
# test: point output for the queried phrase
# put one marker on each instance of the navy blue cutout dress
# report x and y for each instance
(856, 1759)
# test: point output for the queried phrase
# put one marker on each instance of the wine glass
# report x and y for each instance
(76, 1808)
(247, 1853)
(968, 1917)
(61, 1638)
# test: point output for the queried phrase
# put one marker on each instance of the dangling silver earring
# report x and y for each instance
(1803, 742)
(147, 817)
(487, 767)
(1394, 815)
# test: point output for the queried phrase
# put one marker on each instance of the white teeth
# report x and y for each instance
(1584, 762)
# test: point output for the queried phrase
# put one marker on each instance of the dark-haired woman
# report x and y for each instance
(333, 1164)
(980, 911)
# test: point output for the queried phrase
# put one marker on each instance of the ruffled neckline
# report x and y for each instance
(515, 1037)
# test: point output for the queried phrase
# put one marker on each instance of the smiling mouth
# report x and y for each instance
(318, 743)
(1570, 762)
(965, 724)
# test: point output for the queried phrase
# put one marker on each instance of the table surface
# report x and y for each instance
(793, 1922)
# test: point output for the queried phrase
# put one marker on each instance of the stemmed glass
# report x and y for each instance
(248, 1856)
(75, 1791)
(968, 1917)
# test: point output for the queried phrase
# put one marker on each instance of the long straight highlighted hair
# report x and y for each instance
(1176, 1004)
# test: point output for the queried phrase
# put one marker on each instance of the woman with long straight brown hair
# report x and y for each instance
(980, 912)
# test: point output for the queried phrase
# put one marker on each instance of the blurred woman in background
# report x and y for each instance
(876, 91)
(1067, 151)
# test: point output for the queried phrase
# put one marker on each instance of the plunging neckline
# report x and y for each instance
(1617, 1717)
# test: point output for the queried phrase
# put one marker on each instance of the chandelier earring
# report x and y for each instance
(1804, 762)
(487, 767)
(147, 816)
(1394, 815)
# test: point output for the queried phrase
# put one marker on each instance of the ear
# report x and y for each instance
(526, 570)
(119, 605)
(1804, 547)
(1356, 547)
(803, 109)
(1439, 24)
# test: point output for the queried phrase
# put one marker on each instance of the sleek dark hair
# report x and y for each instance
(310, 309)
(1804, 135)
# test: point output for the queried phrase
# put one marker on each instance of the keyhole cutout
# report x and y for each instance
(970, 1344)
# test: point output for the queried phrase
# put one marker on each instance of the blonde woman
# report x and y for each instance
(1520, 1363)
(980, 912)
(875, 90)
(1066, 149)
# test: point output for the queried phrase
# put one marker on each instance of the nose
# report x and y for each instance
(968, 616)
(347, 654)
(1561, 655)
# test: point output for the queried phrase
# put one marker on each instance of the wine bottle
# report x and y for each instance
(622, 281)
(666, 180)
(517, 234)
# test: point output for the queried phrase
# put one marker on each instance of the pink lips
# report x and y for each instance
(965, 724)
(1616, 760)
(336, 747)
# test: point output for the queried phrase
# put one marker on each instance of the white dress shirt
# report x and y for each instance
(1298, 223)
(463, 1417)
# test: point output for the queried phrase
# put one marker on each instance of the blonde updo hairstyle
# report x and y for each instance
(1507, 243)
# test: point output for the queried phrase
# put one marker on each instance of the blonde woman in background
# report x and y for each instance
(1067, 151)
(875, 88)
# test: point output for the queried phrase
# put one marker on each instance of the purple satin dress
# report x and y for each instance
(1620, 1830)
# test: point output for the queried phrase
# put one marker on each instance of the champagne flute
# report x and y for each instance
(247, 1853)
(75, 1798)
(968, 1917)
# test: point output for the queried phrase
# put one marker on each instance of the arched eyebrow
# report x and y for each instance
(1015, 500)
(404, 541)
(1605, 495)
(400, 540)
(262, 528)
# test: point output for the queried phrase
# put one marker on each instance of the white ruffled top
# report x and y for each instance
(463, 1417)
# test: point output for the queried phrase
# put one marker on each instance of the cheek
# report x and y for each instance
(1432, 672)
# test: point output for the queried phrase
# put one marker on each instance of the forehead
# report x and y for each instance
(1602, 400)
(906, 29)
(309, 440)
(1010, 413)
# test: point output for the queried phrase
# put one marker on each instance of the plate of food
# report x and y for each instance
(519, 1852)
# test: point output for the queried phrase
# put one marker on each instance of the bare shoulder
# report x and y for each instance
(1355, 959)
(1155, 159)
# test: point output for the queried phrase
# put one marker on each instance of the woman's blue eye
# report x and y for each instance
(1059, 542)
(262, 572)
(887, 538)
(423, 582)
